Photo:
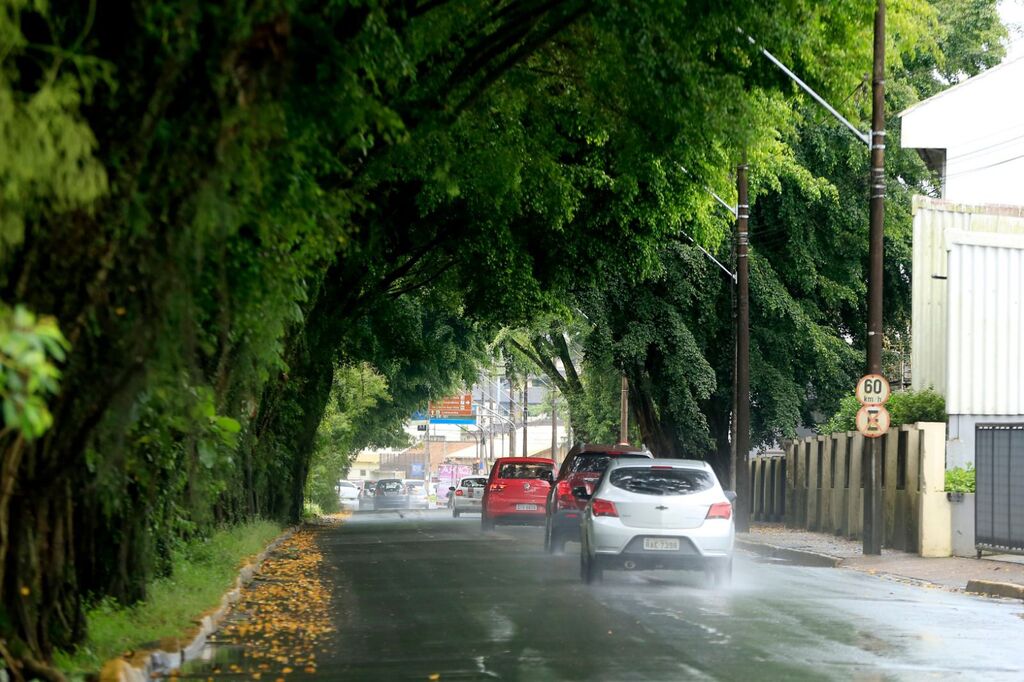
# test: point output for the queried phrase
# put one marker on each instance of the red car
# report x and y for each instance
(516, 490)
(582, 468)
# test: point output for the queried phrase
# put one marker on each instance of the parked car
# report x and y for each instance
(516, 490)
(468, 495)
(583, 466)
(416, 492)
(658, 513)
(348, 492)
(389, 493)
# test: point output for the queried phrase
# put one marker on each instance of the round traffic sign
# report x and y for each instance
(873, 420)
(873, 389)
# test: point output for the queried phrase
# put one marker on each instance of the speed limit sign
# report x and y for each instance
(873, 389)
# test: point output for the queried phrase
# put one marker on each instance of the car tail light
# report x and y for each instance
(458, 493)
(564, 492)
(601, 507)
(496, 487)
(720, 510)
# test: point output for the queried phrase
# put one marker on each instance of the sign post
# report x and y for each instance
(873, 392)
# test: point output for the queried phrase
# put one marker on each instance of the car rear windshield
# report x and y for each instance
(474, 482)
(523, 470)
(668, 481)
(389, 486)
(599, 462)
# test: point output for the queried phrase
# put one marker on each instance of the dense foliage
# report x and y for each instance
(671, 330)
(220, 218)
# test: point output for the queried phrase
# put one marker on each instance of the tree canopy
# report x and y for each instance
(216, 218)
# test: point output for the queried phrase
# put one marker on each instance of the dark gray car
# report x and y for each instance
(389, 493)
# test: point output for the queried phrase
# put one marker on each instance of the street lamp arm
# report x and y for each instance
(863, 137)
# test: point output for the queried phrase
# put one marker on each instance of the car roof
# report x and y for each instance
(618, 449)
(389, 480)
(676, 463)
(518, 460)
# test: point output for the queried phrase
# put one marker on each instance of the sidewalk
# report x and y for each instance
(985, 576)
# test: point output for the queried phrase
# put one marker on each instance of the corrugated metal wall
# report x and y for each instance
(986, 324)
(933, 218)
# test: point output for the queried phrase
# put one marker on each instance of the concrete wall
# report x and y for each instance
(824, 487)
(960, 447)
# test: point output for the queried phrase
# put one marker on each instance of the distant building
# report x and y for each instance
(972, 135)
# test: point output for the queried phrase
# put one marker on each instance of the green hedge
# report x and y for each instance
(905, 407)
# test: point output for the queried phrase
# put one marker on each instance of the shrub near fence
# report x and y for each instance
(818, 485)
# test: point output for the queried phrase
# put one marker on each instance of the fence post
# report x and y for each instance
(856, 497)
(934, 513)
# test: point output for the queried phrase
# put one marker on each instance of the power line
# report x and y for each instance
(985, 148)
(968, 171)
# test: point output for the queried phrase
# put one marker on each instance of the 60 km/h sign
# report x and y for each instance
(873, 389)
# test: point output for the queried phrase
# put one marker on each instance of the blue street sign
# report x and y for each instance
(416, 470)
(453, 420)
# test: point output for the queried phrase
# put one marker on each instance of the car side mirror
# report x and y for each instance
(581, 493)
(452, 488)
(731, 496)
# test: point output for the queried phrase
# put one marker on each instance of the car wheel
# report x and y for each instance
(486, 523)
(455, 513)
(590, 570)
(557, 542)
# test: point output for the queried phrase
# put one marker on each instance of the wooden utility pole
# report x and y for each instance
(624, 412)
(872, 465)
(742, 505)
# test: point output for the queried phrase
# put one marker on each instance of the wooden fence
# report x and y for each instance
(818, 483)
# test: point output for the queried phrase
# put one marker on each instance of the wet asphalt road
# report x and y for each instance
(420, 594)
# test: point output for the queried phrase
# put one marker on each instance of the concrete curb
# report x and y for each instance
(995, 589)
(158, 663)
(802, 556)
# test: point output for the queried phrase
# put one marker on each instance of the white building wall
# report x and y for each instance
(980, 124)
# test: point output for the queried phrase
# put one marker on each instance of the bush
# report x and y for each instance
(960, 479)
(311, 510)
(905, 407)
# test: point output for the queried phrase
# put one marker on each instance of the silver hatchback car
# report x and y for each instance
(657, 513)
(467, 495)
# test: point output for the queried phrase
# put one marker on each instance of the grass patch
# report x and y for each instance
(203, 572)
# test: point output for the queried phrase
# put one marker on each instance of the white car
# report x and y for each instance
(416, 490)
(657, 513)
(348, 492)
(466, 496)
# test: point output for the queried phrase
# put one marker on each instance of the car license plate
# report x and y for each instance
(662, 544)
(526, 507)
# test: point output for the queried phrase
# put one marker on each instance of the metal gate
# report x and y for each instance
(999, 498)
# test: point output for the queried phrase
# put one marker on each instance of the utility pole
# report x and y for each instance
(526, 411)
(740, 466)
(873, 525)
(624, 412)
(490, 421)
